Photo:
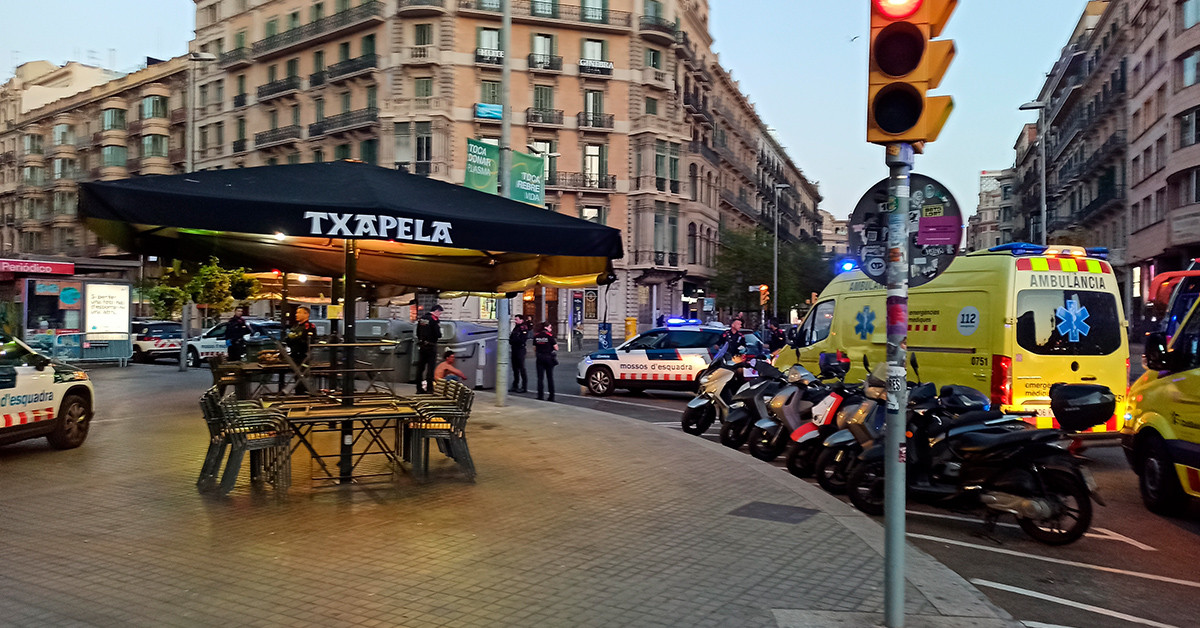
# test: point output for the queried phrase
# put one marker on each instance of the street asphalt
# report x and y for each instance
(578, 518)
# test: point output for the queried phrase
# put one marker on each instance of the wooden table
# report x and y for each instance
(364, 422)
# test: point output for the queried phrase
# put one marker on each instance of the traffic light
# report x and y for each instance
(905, 63)
(764, 294)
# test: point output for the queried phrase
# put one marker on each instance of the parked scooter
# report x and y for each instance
(807, 440)
(1027, 473)
(750, 404)
(787, 410)
(842, 448)
(717, 384)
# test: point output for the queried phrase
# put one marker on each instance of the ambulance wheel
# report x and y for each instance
(600, 381)
(1158, 481)
(74, 419)
(194, 358)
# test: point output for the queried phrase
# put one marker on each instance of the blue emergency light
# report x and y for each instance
(676, 322)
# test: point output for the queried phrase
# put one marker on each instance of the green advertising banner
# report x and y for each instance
(483, 166)
(528, 179)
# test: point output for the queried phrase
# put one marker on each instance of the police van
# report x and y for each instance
(1010, 321)
(41, 397)
(667, 358)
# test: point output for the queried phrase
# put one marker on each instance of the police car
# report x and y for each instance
(156, 339)
(212, 341)
(42, 397)
(668, 358)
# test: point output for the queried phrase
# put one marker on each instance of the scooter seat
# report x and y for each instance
(980, 442)
(967, 418)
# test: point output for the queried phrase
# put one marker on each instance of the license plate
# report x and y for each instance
(1043, 411)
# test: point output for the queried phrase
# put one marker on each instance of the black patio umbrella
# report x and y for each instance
(408, 230)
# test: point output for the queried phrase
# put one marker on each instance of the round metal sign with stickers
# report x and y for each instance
(934, 230)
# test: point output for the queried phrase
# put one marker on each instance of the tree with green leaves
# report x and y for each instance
(209, 285)
(746, 258)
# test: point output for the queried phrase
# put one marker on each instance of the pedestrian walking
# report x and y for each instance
(545, 349)
(236, 331)
(429, 331)
(517, 343)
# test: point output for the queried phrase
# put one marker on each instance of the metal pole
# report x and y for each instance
(1042, 163)
(189, 166)
(775, 271)
(346, 459)
(502, 309)
(899, 158)
(183, 337)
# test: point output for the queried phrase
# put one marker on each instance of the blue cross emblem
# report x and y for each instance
(1071, 321)
(866, 323)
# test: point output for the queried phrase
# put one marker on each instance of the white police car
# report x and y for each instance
(668, 358)
(156, 339)
(212, 341)
(42, 397)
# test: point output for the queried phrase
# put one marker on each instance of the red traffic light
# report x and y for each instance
(762, 288)
(897, 9)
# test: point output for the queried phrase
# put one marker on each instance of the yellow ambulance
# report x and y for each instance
(1010, 321)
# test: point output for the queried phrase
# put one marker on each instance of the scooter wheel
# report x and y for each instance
(762, 445)
(801, 459)
(865, 487)
(830, 470)
(1072, 505)
(733, 436)
(696, 421)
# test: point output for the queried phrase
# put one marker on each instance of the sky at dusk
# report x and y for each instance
(802, 62)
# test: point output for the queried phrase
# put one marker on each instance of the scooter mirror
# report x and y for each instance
(912, 358)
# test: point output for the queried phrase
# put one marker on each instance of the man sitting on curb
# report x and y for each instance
(446, 369)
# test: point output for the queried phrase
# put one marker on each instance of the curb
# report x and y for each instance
(958, 602)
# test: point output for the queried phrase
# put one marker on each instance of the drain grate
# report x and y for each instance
(773, 512)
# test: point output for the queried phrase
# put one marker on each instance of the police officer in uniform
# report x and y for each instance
(732, 340)
(545, 348)
(428, 334)
(300, 336)
(236, 331)
(777, 339)
(517, 341)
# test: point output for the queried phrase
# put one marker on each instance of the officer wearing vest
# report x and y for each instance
(518, 340)
(428, 334)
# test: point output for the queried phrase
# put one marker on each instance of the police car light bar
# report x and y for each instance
(675, 322)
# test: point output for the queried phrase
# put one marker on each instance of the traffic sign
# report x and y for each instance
(934, 228)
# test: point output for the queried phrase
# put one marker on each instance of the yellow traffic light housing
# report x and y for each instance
(764, 294)
(905, 63)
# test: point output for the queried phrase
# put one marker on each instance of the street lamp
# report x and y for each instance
(775, 273)
(194, 58)
(1040, 107)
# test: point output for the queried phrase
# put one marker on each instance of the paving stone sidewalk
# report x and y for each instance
(578, 518)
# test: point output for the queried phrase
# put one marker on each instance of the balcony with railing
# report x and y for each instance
(582, 181)
(657, 258)
(277, 137)
(422, 55)
(657, 29)
(543, 117)
(350, 68)
(368, 13)
(177, 155)
(239, 101)
(235, 58)
(594, 120)
(544, 63)
(538, 10)
(343, 122)
(413, 8)
(317, 79)
(1113, 146)
(422, 168)
(1107, 197)
(697, 147)
(239, 146)
(658, 78)
(289, 86)
(739, 204)
(695, 106)
(179, 115)
(489, 56)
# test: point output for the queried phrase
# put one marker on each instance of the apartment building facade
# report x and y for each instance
(990, 225)
(619, 96)
(63, 125)
(835, 236)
